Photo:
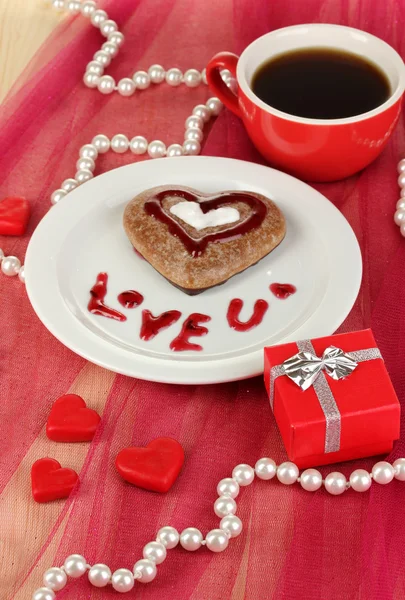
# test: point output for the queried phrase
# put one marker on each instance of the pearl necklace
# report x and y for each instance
(399, 216)
(94, 78)
(230, 526)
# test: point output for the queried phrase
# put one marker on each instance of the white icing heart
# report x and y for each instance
(191, 213)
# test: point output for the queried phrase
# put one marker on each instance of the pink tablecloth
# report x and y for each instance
(294, 544)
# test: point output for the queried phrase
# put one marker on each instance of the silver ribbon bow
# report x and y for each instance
(305, 367)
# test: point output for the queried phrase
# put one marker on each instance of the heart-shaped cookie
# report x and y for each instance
(195, 253)
(14, 215)
(71, 421)
(153, 468)
(49, 481)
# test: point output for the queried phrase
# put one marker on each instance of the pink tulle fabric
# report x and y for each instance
(295, 544)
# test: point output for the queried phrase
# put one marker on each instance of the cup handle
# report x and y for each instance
(223, 60)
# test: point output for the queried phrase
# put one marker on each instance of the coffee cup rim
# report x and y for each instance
(247, 90)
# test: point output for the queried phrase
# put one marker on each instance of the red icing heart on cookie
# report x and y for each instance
(153, 468)
(49, 481)
(195, 246)
(71, 421)
(14, 215)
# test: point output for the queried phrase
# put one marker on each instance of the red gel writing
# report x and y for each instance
(236, 305)
(97, 296)
(152, 325)
(191, 328)
(130, 299)
(282, 290)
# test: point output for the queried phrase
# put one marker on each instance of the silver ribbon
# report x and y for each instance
(306, 369)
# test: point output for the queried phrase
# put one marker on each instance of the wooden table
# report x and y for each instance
(24, 25)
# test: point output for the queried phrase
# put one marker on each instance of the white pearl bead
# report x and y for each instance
(57, 195)
(360, 480)
(401, 180)
(74, 6)
(191, 539)
(43, 593)
(228, 487)
(75, 565)
(217, 540)
(174, 150)
(98, 17)
(88, 8)
(145, 570)
(383, 472)
(204, 76)
(174, 77)
(214, 105)
(399, 217)
(399, 469)
(194, 122)
(192, 78)
(122, 580)
(192, 147)
(110, 48)
(226, 75)
(108, 27)
(265, 468)
(193, 134)
(119, 143)
(126, 87)
(402, 193)
(156, 73)
(311, 480)
(168, 536)
(21, 274)
(1, 255)
(335, 483)
(224, 505)
(232, 525)
(401, 166)
(88, 151)
(243, 474)
(138, 144)
(202, 111)
(106, 84)
(83, 175)
(58, 5)
(402, 229)
(101, 143)
(95, 67)
(85, 163)
(116, 38)
(102, 57)
(100, 575)
(233, 85)
(10, 265)
(156, 149)
(287, 473)
(55, 579)
(401, 204)
(141, 80)
(155, 551)
(91, 80)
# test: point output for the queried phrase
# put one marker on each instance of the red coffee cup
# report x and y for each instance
(311, 149)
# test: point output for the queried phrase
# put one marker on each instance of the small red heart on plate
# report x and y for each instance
(50, 482)
(71, 421)
(153, 468)
(14, 215)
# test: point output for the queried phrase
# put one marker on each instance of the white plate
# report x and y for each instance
(83, 235)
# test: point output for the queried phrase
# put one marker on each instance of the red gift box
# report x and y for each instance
(368, 412)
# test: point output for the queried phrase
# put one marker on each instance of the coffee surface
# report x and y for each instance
(321, 83)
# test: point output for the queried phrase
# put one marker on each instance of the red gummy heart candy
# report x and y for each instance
(71, 421)
(14, 215)
(153, 468)
(50, 482)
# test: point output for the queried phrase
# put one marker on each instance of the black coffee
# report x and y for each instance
(321, 83)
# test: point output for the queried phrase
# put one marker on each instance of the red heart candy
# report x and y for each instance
(153, 468)
(50, 482)
(71, 421)
(14, 215)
